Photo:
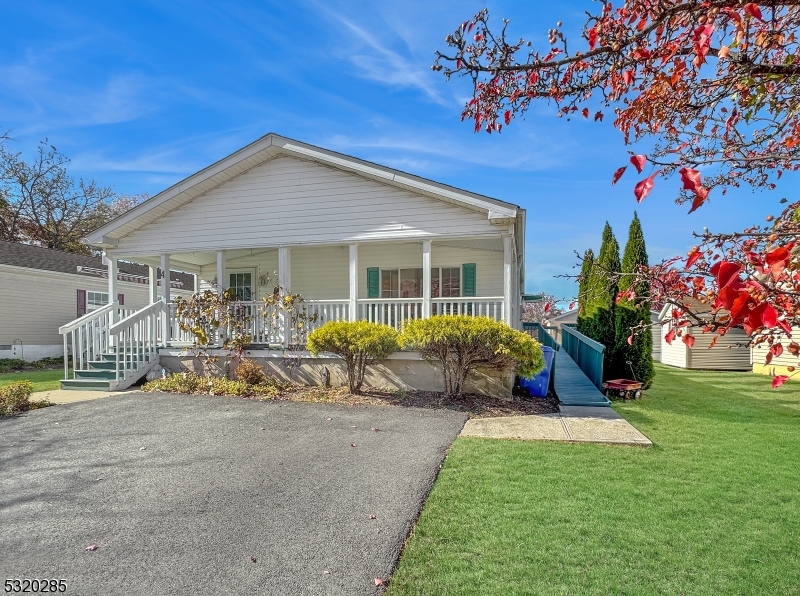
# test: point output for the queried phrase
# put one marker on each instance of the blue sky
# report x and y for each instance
(142, 94)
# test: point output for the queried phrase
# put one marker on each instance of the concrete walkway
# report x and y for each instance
(60, 396)
(574, 424)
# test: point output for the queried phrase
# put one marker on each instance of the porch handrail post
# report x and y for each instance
(426, 279)
(507, 278)
(111, 268)
(221, 287)
(152, 273)
(353, 314)
(165, 283)
(285, 282)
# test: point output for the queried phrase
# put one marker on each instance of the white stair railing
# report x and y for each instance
(87, 337)
(136, 339)
(390, 311)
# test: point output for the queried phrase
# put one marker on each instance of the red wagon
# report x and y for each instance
(625, 388)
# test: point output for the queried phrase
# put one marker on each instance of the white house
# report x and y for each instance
(730, 352)
(356, 239)
(42, 289)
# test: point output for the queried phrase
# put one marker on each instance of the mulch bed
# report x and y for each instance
(477, 406)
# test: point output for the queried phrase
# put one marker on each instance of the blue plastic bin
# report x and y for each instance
(538, 385)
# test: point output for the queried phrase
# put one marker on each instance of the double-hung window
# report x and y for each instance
(407, 283)
(95, 300)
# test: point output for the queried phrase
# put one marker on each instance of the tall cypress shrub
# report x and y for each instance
(634, 313)
(583, 289)
(603, 289)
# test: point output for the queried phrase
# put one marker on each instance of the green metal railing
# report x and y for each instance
(540, 334)
(587, 353)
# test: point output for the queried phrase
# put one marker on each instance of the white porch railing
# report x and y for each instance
(136, 339)
(477, 307)
(390, 311)
(267, 327)
(87, 337)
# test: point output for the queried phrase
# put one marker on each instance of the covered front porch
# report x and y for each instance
(382, 282)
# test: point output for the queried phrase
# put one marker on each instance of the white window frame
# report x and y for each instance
(254, 287)
(89, 306)
(439, 267)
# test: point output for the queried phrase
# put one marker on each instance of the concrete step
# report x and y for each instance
(86, 384)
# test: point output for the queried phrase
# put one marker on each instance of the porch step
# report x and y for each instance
(86, 384)
(107, 375)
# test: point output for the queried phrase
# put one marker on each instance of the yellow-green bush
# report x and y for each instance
(462, 343)
(359, 343)
(15, 397)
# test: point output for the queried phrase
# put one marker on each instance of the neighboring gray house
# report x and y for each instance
(42, 289)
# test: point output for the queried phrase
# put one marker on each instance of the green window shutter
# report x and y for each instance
(469, 279)
(373, 282)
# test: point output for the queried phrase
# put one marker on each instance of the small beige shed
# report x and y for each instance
(731, 351)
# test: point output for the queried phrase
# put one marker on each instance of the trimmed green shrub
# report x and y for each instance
(359, 343)
(15, 397)
(462, 343)
(634, 313)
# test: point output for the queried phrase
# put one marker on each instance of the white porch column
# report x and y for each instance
(165, 287)
(508, 272)
(285, 283)
(153, 276)
(111, 267)
(426, 279)
(353, 282)
(222, 282)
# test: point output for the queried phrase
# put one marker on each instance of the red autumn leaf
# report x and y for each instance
(787, 329)
(547, 307)
(779, 380)
(776, 259)
(598, 116)
(585, 112)
(630, 340)
(638, 162)
(688, 340)
(643, 187)
(713, 342)
(699, 199)
(753, 10)
(739, 308)
(618, 174)
(794, 348)
(379, 582)
(507, 116)
(770, 316)
(592, 34)
(768, 359)
(571, 305)
(690, 178)
(669, 337)
(776, 349)
(693, 258)
(728, 273)
(627, 76)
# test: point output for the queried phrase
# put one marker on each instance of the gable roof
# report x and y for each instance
(271, 146)
(48, 259)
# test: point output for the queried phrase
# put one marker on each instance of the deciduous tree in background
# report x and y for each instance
(547, 308)
(716, 84)
(583, 289)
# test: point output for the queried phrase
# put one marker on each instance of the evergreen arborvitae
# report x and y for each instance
(599, 311)
(583, 289)
(634, 313)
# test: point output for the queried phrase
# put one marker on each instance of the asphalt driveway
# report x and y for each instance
(213, 495)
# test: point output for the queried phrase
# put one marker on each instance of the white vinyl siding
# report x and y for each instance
(51, 301)
(729, 353)
(290, 201)
(323, 272)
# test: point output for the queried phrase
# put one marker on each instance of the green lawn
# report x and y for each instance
(713, 508)
(43, 380)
